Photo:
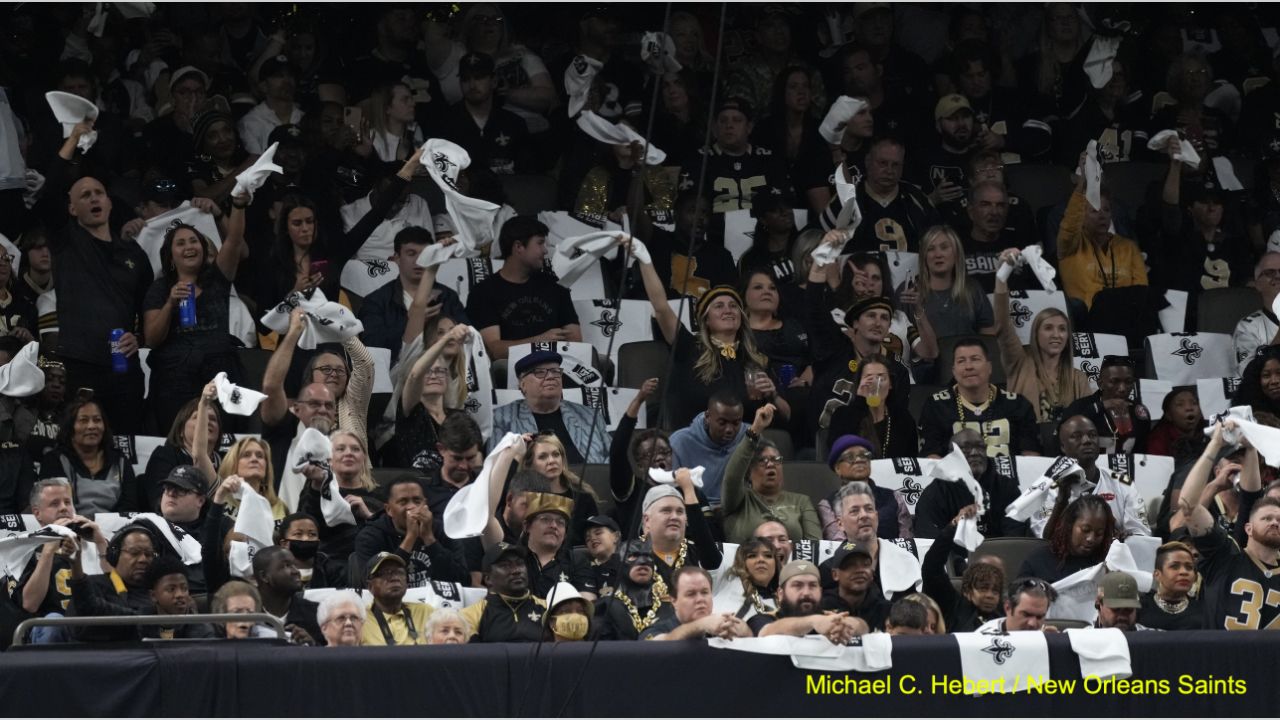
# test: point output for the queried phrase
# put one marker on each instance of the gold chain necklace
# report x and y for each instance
(680, 556)
(1173, 608)
(756, 601)
(991, 395)
(640, 623)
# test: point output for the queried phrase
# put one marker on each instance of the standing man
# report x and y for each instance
(493, 136)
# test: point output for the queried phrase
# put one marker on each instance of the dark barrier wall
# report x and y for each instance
(1236, 673)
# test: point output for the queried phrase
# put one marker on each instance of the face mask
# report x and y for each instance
(304, 549)
(570, 626)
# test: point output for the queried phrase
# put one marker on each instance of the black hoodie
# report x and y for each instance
(426, 562)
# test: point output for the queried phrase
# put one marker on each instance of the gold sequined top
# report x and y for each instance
(660, 192)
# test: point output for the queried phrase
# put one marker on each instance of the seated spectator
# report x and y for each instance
(1090, 257)
(384, 312)
(167, 579)
(299, 535)
(42, 589)
(986, 242)
(1259, 328)
(1025, 607)
(673, 522)
(342, 617)
(546, 534)
(122, 591)
(723, 358)
(217, 156)
(709, 439)
(1003, 120)
(850, 459)
(1017, 223)
(755, 569)
(50, 406)
(941, 166)
(799, 614)
(856, 594)
(510, 612)
(275, 572)
(1170, 605)
(350, 466)
(101, 476)
(791, 129)
(1005, 421)
(36, 267)
(547, 457)
(632, 454)
(568, 615)
(460, 446)
(1200, 248)
(1210, 130)
(1179, 433)
(1118, 602)
(951, 303)
(18, 315)
(895, 214)
(1080, 533)
(1043, 372)
(863, 77)
(520, 303)
(981, 585)
(396, 621)
(238, 597)
(183, 494)
(248, 460)
(692, 617)
(390, 110)
(1116, 115)
(177, 446)
(598, 559)
(580, 429)
(1122, 422)
(776, 534)
(856, 505)
(888, 425)
(777, 45)
(447, 626)
(183, 358)
(170, 137)
(772, 242)
(680, 125)
(1260, 382)
(907, 618)
(734, 166)
(757, 461)
(434, 390)
(687, 261)
(405, 527)
(942, 504)
(277, 82)
(494, 137)
(639, 602)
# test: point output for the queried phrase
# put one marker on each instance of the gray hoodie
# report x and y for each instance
(693, 447)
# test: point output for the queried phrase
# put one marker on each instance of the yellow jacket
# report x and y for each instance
(1087, 268)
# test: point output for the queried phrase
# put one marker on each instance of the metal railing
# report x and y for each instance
(19, 634)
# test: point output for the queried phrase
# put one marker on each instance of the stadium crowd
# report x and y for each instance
(434, 324)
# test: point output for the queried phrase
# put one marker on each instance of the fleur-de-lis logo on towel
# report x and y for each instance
(1189, 351)
(1000, 650)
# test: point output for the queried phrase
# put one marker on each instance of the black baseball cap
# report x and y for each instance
(847, 549)
(499, 551)
(603, 521)
(740, 104)
(186, 477)
(278, 65)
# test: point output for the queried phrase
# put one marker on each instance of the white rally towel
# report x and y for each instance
(1099, 65)
(129, 10)
(184, 544)
(825, 254)
(1226, 173)
(473, 218)
(899, 569)
(869, 653)
(255, 521)
(1033, 256)
(850, 216)
(955, 468)
(1002, 663)
(1078, 594)
(468, 510)
(1265, 439)
(1032, 499)
(313, 448)
(617, 134)
(577, 81)
(841, 112)
(1093, 176)
(1186, 151)
(658, 51)
(326, 322)
(808, 645)
(21, 377)
(668, 477)
(16, 550)
(1103, 652)
(70, 110)
(151, 237)
(588, 249)
(437, 254)
(235, 399)
(639, 251)
(255, 176)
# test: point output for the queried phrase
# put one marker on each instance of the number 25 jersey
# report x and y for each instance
(731, 180)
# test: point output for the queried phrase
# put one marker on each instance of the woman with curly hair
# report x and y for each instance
(547, 457)
(1260, 383)
(981, 586)
(1079, 535)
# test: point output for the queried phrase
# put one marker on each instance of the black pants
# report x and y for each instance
(119, 394)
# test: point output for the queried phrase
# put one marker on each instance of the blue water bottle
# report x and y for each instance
(786, 373)
(187, 308)
(119, 363)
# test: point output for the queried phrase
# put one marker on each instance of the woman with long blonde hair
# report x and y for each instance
(1062, 35)
(723, 357)
(390, 111)
(248, 460)
(949, 301)
(1043, 372)
(547, 457)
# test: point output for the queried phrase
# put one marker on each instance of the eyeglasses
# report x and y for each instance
(544, 373)
(853, 457)
(1269, 274)
(437, 372)
(176, 491)
(769, 460)
(346, 619)
(551, 519)
(318, 404)
(331, 370)
(140, 553)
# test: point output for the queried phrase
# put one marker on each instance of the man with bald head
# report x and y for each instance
(942, 503)
(1079, 439)
(100, 281)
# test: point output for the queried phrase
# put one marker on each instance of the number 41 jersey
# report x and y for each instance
(731, 180)
(1239, 593)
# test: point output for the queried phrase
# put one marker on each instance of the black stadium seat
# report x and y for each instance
(530, 194)
(1040, 185)
(1220, 309)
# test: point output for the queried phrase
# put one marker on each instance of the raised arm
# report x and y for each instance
(274, 408)
(502, 468)
(412, 391)
(359, 385)
(1194, 515)
(233, 248)
(200, 441)
(1069, 231)
(666, 317)
(1006, 336)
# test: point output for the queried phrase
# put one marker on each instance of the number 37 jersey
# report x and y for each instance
(731, 180)
(1239, 593)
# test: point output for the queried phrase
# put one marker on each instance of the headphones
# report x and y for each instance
(117, 541)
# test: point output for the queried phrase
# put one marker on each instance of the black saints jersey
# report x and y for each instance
(1241, 594)
(1007, 423)
(731, 180)
(893, 226)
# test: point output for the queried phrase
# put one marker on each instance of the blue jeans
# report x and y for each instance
(45, 635)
